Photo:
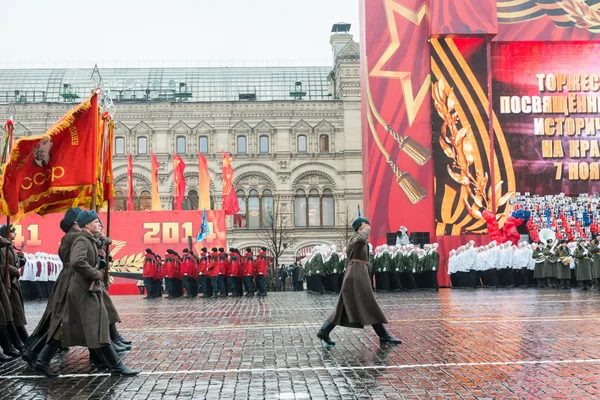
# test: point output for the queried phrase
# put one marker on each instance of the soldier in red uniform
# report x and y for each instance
(189, 273)
(177, 283)
(205, 274)
(222, 272)
(159, 275)
(261, 272)
(148, 274)
(235, 272)
(213, 266)
(169, 271)
(249, 272)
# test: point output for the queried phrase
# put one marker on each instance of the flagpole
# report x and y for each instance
(6, 275)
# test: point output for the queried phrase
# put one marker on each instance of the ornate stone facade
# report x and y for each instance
(279, 146)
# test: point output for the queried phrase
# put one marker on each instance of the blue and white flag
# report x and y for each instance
(204, 229)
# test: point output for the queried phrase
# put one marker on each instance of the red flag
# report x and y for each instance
(179, 178)
(130, 183)
(54, 171)
(230, 200)
(107, 164)
(156, 206)
(204, 184)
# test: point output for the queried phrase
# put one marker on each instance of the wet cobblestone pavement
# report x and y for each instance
(501, 344)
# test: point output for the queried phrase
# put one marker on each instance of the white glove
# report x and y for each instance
(414, 270)
(335, 271)
(434, 268)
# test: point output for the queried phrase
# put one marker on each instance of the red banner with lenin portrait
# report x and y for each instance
(55, 171)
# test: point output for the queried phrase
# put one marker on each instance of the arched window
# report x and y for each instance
(324, 143)
(180, 145)
(239, 219)
(203, 144)
(241, 144)
(119, 202)
(119, 145)
(264, 144)
(302, 144)
(300, 208)
(268, 215)
(314, 208)
(253, 210)
(142, 145)
(328, 208)
(145, 201)
(191, 202)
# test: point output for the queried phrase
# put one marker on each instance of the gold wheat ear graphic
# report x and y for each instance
(117, 246)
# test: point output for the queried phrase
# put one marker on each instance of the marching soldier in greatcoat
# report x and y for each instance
(356, 305)
(82, 318)
(8, 256)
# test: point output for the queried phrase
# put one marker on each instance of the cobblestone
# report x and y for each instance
(458, 344)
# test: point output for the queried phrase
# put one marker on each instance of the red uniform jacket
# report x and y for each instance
(213, 264)
(203, 264)
(235, 266)
(149, 266)
(160, 270)
(249, 264)
(170, 266)
(178, 274)
(194, 271)
(223, 264)
(262, 263)
(186, 265)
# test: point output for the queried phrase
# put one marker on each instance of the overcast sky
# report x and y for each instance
(81, 31)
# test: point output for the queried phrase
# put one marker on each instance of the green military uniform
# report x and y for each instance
(563, 271)
(317, 266)
(584, 266)
(550, 266)
(540, 260)
(595, 252)
(394, 273)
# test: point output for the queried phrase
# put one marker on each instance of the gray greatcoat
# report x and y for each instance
(16, 299)
(356, 305)
(6, 313)
(84, 317)
(52, 316)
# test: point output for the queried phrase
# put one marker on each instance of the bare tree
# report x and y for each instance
(345, 227)
(276, 232)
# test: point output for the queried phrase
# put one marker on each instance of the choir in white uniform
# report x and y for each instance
(38, 274)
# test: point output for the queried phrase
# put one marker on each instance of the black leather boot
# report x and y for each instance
(120, 347)
(116, 366)
(114, 337)
(4, 358)
(22, 332)
(384, 335)
(14, 337)
(323, 333)
(31, 352)
(97, 360)
(6, 344)
(42, 363)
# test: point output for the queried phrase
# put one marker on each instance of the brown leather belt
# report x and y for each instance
(361, 261)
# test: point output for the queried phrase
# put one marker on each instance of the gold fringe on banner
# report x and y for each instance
(415, 150)
(413, 190)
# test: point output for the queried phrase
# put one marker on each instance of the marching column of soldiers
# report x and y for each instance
(79, 311)
(210, 274)
(392, 268)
